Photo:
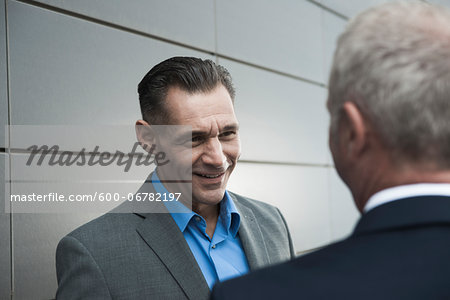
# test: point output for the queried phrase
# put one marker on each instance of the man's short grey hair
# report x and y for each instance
(393, 62)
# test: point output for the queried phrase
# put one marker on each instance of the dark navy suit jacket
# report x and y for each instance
(398, 250)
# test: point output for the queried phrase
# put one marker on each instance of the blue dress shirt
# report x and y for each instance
(221, 257)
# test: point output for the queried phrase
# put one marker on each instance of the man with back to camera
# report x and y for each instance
(178, 253)
(389, 101)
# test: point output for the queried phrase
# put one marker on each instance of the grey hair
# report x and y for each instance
(393, 62)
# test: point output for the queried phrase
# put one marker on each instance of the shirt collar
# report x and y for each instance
(407, 191)
(228, 215)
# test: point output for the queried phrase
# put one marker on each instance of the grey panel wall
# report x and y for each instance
(343, 211)
(278, 115)
(5, 229)
(254, 31)
(188, 22)
(35, 240)
(76, 72)
(332, 28)
(3, 77)
(5, 238)
(350, 8)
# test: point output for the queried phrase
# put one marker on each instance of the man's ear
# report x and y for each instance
(355, 129)
(145, 134)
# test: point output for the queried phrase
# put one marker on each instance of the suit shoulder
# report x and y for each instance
(105, 225)
(266, 283)
(270, 221)
(252, 202)
(268, 214)
(278, 280)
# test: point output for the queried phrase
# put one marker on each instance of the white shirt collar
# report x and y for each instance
(406, 191)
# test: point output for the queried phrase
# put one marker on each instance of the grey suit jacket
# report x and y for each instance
(145, 255)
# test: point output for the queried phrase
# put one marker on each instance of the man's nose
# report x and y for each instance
(213, 153)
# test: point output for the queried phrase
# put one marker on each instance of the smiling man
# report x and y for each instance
(210, 234)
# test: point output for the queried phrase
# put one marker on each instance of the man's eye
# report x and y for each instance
(196, 139)
(228, 134)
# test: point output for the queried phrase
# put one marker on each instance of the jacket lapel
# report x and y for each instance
(161, 233)
(251, 237)
(163, 236)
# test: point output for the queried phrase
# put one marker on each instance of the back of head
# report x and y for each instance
(190, 74)
(393, 62)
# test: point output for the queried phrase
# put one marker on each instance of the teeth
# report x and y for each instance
(210, 176)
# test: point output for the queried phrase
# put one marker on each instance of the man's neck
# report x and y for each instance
(210, 213)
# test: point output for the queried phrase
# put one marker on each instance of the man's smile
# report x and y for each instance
(208, 177)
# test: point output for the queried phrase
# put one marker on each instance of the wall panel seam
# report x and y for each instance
(8, 93)
(169, 41)
(293, 164)
(330, 10)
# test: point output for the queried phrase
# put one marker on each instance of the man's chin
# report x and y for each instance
(209, 198)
